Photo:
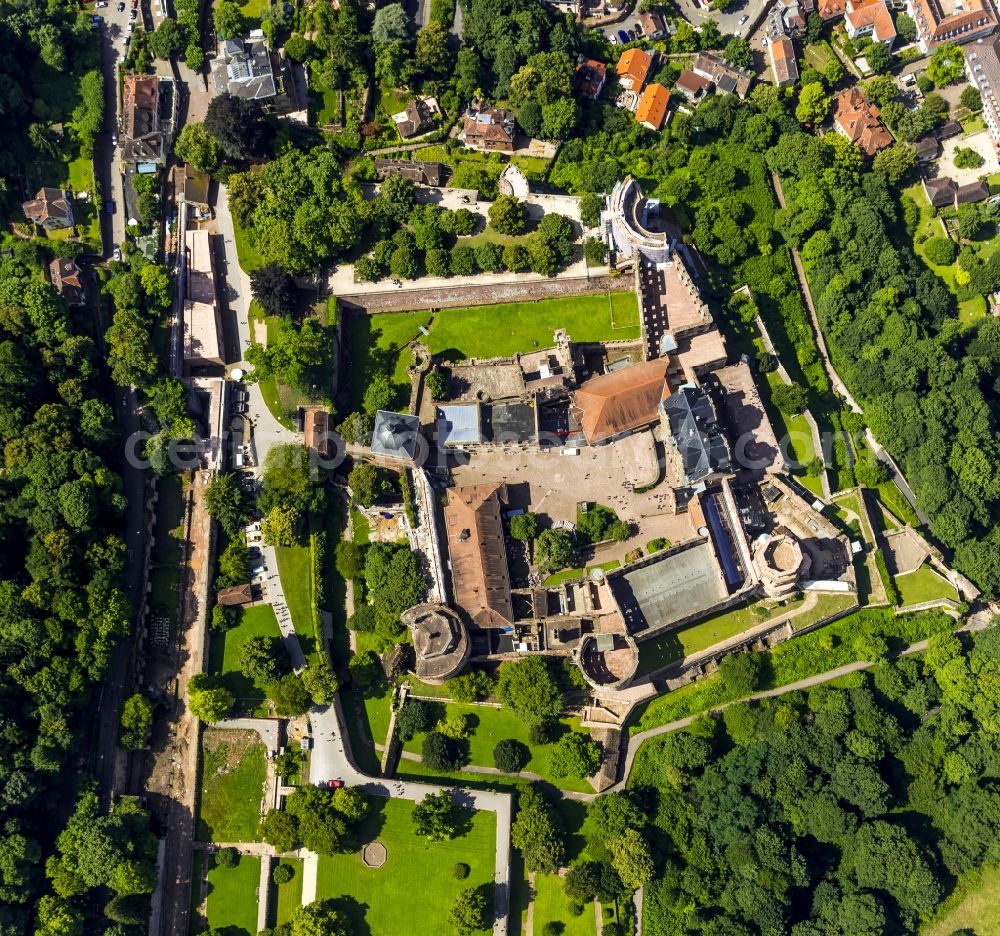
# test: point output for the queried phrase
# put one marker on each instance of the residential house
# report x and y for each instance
(949, 129)
(982, 65)
(633, 69)
(653, 25)
(248, 69)
(692, 85)
(652, 109)
(783, 65)
(870, 18)
(67, 278)
(858, 119)
(727, 78)
(147, 106)
(488, 128)
(417, 117)
(940, 21)
(235, 595)
(590, 77)
(51, 209)
(423, 173)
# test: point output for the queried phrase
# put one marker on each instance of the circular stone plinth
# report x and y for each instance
(374, 854)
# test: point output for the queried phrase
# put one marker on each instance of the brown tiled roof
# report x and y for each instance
(478, 553)
(652, 109)
(140, 109)
(783, 60)
(590, 78)
(237, 595)
(633, 68)
(728, 78)
(940, 192)
(67, 279)
(652, 23)
(623, 400)
(315, 426)
(972, 192)
(830, 9)
(488, 125)
(858, 119)
(48, 204)
(692, 84)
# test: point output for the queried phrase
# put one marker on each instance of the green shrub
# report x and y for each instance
(891, 590)
(282, 874)
(940, 251)
(461, 871)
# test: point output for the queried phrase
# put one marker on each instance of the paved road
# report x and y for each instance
(268, 432)
(269, 729)
(330, 761)
(276, 595)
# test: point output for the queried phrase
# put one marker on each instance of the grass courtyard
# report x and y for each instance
(224, 655)
(375, 341)
(552, 906)
(925, 584)
(166, 551)
(232, 786)
(232, 897)
(492, 725)
(383, 900)
(287, 898)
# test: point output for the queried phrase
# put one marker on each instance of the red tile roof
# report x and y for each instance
(652, 109)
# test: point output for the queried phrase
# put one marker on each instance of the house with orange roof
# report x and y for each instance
(783, 64)
(830, 10)
(870, 18)
(652, 110)
(633, 69)
(859, 120)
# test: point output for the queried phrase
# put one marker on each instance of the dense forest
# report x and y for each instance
(851, 808)
(61, 560)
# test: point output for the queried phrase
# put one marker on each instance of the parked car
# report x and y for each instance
(334, 784)
(623, 35)
(109, 207)
(133, 14)
(101, 4)
(121, 7)
(114, 137)
(631, 35)
(128, 39)
(638, 30)
(131, 27)
(116, 254)
(744, 18)
(95, 23)
(613, 40)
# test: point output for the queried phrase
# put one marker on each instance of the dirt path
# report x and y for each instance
(172, 786)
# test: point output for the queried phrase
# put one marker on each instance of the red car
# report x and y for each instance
(334, 784)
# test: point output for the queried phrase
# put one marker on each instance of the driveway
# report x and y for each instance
(267, 431)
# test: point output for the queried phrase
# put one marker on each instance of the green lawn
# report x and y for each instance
(551, 905)
(360, 528)
(978, 912)
(294, 567)
(925, 584)
(246, 249)
(375, 341)
(224, 654)
(566, 575)
(287, 898)
(232, 784)
(796, 430)
(504, 329)
(493, 725)
(232, 897)
(693, 638)
(377, 708)
(414, 890)
(826, 606)
(892, 499)
(819, 54)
